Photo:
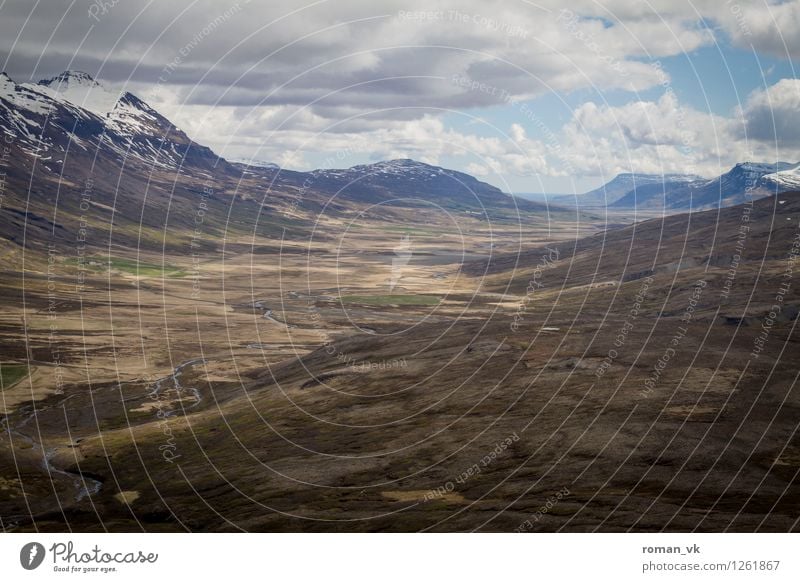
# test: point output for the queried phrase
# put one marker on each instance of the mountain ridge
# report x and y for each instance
(131, 128)
(744, 180)
(145, 176)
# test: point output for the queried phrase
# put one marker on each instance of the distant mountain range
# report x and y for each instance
(680, 192)
(744, 180)
(623, 184)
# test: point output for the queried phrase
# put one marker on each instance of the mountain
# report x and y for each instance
(680, 192)
(250, 162)
(623, 184)
(744, 180)
(407, 182)
(728, 189)
(131, 126)
(80, 159)
(620, 186)
(33, 121)
(81, 90)
(150, 136)
(783, 180)
(73, 143)
(400, 183)
(73, 111)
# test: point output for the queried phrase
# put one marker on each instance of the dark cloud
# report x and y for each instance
(248, 53)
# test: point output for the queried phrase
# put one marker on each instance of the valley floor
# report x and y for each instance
(393, 378)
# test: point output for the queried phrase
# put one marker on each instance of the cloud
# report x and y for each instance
(650, 136)
(772, 115)
(291, 83)
(290, 159)
(666, 136)
(644, 136)
(476, 169)
(331, 54)
(769, 27)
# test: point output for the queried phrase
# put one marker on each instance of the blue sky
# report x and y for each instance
(716, 79)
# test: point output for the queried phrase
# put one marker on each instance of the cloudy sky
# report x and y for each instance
(528, 95)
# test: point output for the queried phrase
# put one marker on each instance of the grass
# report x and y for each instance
(132, 266)
(145, 269)
(391, 299)
(10, 374)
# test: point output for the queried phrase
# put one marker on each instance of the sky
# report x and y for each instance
(529, 96)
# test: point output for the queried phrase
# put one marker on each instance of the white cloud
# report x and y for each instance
(291, 159)
(476, 169)
(518, 133)
(773, 115)
(640, 136)
(764, 26)
(665, 136)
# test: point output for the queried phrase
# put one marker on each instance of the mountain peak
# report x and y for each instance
(128, 99)
(762, 166)
(398, 166)
(402, 162)
(132, 117)
(785, 179)
(80, 89)
(70, 78)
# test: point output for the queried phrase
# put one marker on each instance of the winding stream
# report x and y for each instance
(86, 486)
(267, 314)
(159, 385)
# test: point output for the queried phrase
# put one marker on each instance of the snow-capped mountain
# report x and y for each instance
(37, 123)
(746, 175)
(81, 90)
(745, 180)
(784, 180)
(408, 182)
(403, 168)
(253, 163)
(73, 112)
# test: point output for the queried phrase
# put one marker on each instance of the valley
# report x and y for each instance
(190, 344)
(127, 343)
(299, 389)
